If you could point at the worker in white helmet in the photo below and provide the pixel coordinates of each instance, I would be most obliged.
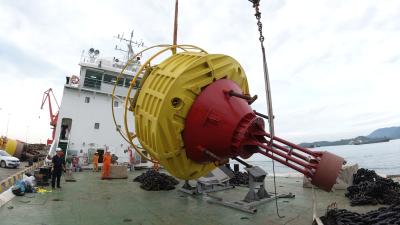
(58, 167)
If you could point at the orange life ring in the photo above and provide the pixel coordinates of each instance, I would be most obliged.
(74, 79)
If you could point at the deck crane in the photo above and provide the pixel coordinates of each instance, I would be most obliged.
(53, 116)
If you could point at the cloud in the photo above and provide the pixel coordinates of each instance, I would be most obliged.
(13, 58)
(333, 64)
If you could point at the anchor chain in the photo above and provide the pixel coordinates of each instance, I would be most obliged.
(381, 216)
(256, 6)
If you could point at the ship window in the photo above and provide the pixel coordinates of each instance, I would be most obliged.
(137, 83)
(93, 79)
(116, 103)
(121, 81)
(128, 82)
(87, 99)
(110, 79)
(96, 126)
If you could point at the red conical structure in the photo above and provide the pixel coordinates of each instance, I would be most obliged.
(222, 125)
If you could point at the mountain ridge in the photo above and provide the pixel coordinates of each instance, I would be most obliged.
(389, 132)
(378, 135)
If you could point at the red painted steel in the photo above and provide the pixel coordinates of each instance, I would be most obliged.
(53, 116)
(221, 126)
(216, 122)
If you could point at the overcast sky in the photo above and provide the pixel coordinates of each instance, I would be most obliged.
(334, 65)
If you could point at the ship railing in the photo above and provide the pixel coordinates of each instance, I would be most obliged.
(115, 63)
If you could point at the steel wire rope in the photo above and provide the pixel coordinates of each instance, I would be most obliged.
(256, 4)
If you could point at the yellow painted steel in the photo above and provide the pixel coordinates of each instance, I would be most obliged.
(165, 99)
(3, 141)
(11, 146)
(128, 135)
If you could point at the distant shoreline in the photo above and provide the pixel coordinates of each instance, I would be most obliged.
(379, 135)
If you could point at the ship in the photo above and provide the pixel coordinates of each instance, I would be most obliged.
(84, 125)
(364, 140)
(83, 115)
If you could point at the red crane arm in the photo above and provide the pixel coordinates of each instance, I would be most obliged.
(46, 96)
(53, 117)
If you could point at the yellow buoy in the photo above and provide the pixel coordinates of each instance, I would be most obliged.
(13, 147)
(165, 99)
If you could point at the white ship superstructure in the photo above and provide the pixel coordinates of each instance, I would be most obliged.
(85, 122)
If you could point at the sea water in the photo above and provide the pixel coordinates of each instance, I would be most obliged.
(382, 157)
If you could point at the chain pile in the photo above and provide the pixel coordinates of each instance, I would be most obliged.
(369, 188)
(381, 216)
(239, 178)
(155, 181)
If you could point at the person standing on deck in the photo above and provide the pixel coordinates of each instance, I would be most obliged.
(106, 166)
(95, 162)
(58, 167)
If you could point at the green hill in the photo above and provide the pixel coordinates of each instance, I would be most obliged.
(378, 135)
(389, 132)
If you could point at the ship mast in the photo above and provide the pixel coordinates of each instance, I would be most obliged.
(130, 43)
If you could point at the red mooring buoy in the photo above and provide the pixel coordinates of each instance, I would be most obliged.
(222, 125)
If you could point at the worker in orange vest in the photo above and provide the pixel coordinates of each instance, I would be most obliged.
(106, 166)
(95, 162)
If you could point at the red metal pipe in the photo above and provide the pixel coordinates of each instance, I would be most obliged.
(287, 157)
(306, 172)
(293, 145)
(291, 152)
(227, 127)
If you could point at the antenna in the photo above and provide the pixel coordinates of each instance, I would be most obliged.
(130, 44)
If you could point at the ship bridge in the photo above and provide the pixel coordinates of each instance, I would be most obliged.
(84, 125)
(99, 74)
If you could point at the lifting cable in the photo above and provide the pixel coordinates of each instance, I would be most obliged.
(256, 4)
